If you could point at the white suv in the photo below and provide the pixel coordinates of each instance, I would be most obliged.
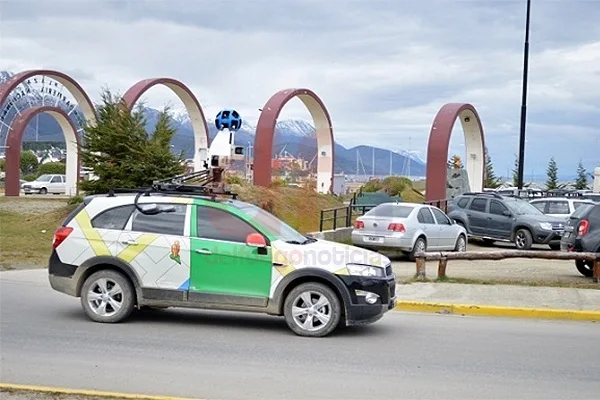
(559, 206)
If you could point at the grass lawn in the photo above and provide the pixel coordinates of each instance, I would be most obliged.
(26, 238)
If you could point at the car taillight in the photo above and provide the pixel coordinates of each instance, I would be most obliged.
(359, 224)
(582, 228)
(60, 235)
(396, 227)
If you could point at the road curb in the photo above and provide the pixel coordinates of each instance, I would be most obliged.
(82, 392)
(496, 311)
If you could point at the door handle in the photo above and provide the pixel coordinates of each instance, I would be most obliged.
(128, 242)
(203, 251)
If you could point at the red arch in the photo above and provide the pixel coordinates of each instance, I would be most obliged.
(85, 104)
(439, 142)
(191, 104)
(15, 138)
(265, 131)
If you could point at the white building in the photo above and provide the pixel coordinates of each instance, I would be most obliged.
(339, 184)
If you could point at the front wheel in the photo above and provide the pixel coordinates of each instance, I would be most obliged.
(585, 268)
(107, 296)
(312, 309)
(523, 239)
(461, 244)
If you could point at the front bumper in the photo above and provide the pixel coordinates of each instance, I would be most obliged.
(359, 311)
(547, 237)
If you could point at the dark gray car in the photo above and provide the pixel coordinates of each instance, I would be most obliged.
(492, 217)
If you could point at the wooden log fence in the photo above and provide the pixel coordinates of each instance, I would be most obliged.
(444, 256)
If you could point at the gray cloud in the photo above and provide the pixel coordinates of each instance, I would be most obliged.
(383, 67)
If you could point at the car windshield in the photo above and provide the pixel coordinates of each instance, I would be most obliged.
(390, 210)
(522, 207)
(44, 178)
(272, 224)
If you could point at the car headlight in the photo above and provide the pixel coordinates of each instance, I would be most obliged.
(364, 270)
(546, 225)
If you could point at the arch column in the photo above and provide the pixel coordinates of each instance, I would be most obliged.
(439, 142)
(192, 105)
(15, 138)
(265, 132)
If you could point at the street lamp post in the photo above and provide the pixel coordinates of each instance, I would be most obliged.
(524, 100)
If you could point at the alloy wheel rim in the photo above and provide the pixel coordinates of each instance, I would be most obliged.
(311, 311)
(520, 240)
(105, 297)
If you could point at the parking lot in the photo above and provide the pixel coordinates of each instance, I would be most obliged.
(509, 270)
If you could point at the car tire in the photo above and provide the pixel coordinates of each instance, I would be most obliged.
(585, 268)
(461, 244)
(302, 322)
(107, 296)
(43, 191)
(523, 239)
(420, 246)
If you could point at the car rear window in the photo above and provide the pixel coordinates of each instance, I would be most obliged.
(390, 210)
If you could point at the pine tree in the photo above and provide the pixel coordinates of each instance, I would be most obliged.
(515, 172)
(552, 174)
(120, 151)
(581, 183)
(491, 181)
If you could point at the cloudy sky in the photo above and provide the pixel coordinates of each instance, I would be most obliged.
(383, 68)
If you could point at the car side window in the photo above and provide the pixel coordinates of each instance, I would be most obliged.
(540, 205)
(56, 179)
(216, 224)
(440, 217)
(424, 216)
(558, 207)
(113, 218)
(462, 203)
(478, 205)
(497, 208)
(164, 223)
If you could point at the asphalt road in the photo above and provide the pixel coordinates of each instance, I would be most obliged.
(46, 340)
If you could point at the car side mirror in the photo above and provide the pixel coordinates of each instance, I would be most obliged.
(256, 240)
(507, 213)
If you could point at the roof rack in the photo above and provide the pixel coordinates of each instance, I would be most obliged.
(205, 185)
(496, 195)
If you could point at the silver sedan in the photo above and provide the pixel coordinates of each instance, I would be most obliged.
(408, 227)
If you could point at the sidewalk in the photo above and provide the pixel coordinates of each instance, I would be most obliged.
(500, 300)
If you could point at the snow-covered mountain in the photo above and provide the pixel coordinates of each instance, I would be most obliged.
(297, 136)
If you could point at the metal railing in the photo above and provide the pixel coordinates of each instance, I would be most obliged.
(346, 214)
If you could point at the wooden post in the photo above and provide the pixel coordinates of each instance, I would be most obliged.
(596, 274)
(442, 268)
(421, 268)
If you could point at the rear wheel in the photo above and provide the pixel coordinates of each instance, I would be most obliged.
(419, 247)
(107, 296)
(312, 309)
(585, 268)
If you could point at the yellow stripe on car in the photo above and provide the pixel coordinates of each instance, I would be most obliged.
(92, 235)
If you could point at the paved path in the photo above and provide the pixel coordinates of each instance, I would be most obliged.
(46, 340)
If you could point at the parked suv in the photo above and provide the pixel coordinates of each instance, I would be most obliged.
(559, 206)
(119, 252)
(492, 217)
(582, 234)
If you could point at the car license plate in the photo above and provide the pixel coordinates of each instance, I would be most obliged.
(373, 239)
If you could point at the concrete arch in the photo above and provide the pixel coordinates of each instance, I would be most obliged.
(83, 100)
(15, 138)
(192, 105)
(265, 131)
(439, 142)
